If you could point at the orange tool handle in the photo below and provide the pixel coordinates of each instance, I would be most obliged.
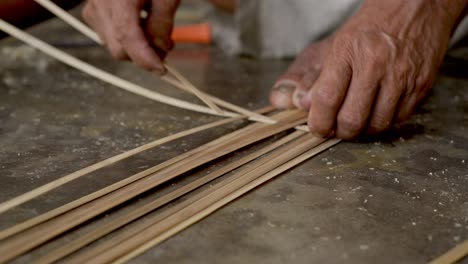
(196, 33)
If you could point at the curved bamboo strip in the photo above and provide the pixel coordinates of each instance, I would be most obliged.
(103, 75)
(75, 23)
(186, 85)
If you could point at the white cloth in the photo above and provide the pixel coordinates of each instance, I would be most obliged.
(283, 28)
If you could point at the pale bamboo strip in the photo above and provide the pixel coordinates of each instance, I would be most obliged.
(85, 199)
(159, 223)
(302, 128)
(22, 242)
(77, 174)
(133, 230)
(222, 202)
(103, 75)
(85, 30)
(142, 210)
(453, 255)
(191, 88)
(78, 25)
(252, 115)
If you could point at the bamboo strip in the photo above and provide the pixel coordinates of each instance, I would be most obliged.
(77, 174)
(191, 88)
(252, 115)
(22, 242)
(186, 85)
(75, 23)
(103, 75)
(220, 203)
(142, 210)
(67, 207)
(453, 255)
(146, 230)
(90, 197)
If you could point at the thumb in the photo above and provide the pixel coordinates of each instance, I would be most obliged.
(159, 25)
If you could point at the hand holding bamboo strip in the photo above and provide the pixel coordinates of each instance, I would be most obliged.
(13, 246)
(103, 75)
(182, 82)
(75, 23)
(44, 227)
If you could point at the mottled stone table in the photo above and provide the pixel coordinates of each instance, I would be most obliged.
(398, 198)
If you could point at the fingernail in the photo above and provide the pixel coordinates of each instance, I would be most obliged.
(282, 94)
(297, 98)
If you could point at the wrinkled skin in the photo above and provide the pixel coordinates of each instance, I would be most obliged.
(370, 73)
(126, 37)
(119, 25)
(374, 70)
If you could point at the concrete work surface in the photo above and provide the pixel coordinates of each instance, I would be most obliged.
(398, 198)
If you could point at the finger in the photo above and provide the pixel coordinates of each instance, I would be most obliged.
(126, 22)
(326, 95)
(299, 77)
(354, 113)
(98, 16)
(307, 82)
(313, 56)
(414, 95)
(282, 91)
(406, 105)
(159, 25)
(281, 94)
(385, 107)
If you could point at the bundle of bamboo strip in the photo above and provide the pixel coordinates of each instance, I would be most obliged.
(251, 171)
(25, 240)
(17, 241)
